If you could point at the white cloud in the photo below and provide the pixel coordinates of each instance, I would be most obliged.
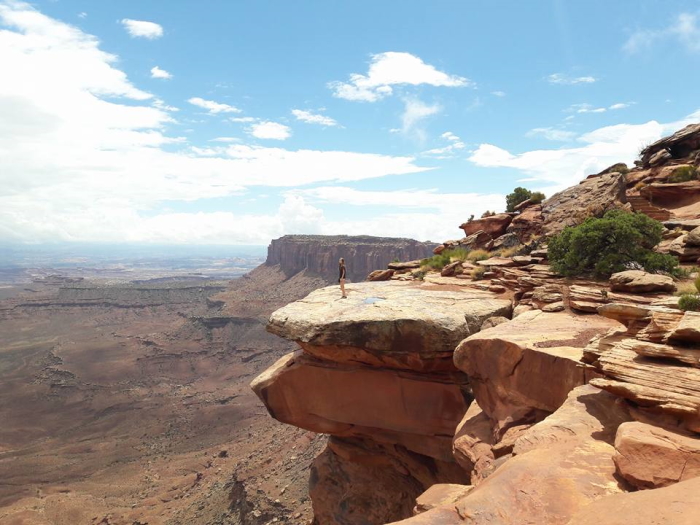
(564, 167)
(225, 139)
(684, 30)
(243, 119)
(86, 156)
(82, 14)
(391, 69)
(213, 107)
(551, 134)
(160, 104)
(270, 130)
(588, 108)
(566, 80)
(415, 112)
(142, 29)
(620, 105)
(313, 118)
(446, 152)
(157, 72)
(498, 93)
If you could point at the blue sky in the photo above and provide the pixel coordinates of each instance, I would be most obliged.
(237, 122)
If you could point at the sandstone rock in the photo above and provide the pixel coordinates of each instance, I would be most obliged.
(494, 321)
(380, 275)
(549, 293)
(495, 225)
(684, 224)
(439, 495)
(587, 413)
(418, 411)
(688, 329)
(684, 251)
(659, 158)
(502, 362)
(681, 144)
(524, 260)
(693, 238)
(554, 307)
(407, 265)
(674, 505)
(472, 444)
(439, 249)
(498, 289)
(521, 309)
(496, 261)
(651, 457)
(476, 240)
(358, 481)
(451, 269)
(670, 194)
(527, 224)
(592, 197)
(637, 281)
(407, 326)
(508, 240)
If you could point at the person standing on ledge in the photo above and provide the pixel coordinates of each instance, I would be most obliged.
(341, 278)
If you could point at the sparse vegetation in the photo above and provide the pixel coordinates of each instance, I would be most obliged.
(478, 255)
(684, 174)
(488, 213)
(640, 185)
(507, 252)
(439, 261)
(521, 194)
(689, 301)
(478, 273)
(610, 244)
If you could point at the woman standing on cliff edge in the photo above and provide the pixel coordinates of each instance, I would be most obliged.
(341, 278)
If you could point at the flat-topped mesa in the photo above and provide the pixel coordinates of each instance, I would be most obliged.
(363, 253)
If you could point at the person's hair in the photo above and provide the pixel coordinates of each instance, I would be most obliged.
(341, 261)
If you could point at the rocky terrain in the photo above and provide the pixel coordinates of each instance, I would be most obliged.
(128, 403)
(494, 390)
(320, 253)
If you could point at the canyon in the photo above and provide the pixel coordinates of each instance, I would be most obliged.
(127, 402)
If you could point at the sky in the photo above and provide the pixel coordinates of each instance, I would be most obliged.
(218, 122)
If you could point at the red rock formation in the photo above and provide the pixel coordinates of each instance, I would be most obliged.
(363, 254)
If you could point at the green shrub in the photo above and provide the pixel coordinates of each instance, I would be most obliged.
(488, 213)
(683, 174)
(697, 283)
(521, 195)
(609, 244)
(478, 273)
(689, 301)
(439, 261)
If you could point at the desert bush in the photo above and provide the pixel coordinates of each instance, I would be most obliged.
(478, 273)
(488, 213)
(689, 301)
(521, 195)
(478, 255)
(603, 246)
(697, 283)
(508, 252)
(439, 261)
(418, 274)
(640, 185)
(683, 174)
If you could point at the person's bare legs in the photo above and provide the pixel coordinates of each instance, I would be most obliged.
(342, 287)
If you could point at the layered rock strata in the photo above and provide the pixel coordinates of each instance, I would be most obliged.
(375, 371)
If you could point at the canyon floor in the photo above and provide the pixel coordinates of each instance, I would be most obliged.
(127, 413)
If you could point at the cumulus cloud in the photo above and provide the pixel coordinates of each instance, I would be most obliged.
(86, 156)
(142, 29)
(157, 72)
(454, 145)
(598, 149)
(566, 80)
(270, 130)
(683, 30)
(313, 118)
(213, 107)
(392, 69)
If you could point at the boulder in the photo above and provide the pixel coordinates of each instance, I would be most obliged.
(693, 238)
(380, 275)
(451, 269)
(527, 224)
(674, 505)
(652, 457)
(508, 240)
(416, 410)
(505, 362)
(687, 330)
(388, 324)
(679, 145)
(497, 262)
(472, 443)
(407, 265)
(592, 197)
(495, 225)
(494, 321)
(637, 281)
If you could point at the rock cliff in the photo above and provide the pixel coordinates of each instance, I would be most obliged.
(508, 396)
(320, 253)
